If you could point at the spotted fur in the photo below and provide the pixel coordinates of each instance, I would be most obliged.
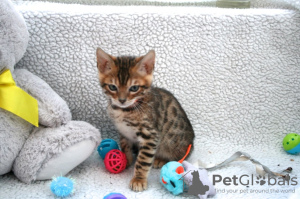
(148, 118)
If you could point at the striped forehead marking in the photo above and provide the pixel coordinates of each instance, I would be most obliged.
(124, 64)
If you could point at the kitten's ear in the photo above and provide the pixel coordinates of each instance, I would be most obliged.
(104, 61)
(146, 63)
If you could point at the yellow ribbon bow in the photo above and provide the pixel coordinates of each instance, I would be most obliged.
(17, 101)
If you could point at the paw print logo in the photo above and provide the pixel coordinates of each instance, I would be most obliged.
(260, 180)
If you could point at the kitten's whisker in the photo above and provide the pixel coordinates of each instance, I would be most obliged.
(139, 109)
(149, 105)
(109, 106)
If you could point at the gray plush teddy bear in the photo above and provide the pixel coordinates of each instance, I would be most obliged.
(59, 144)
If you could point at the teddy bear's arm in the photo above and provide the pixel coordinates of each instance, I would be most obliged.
(53, 110)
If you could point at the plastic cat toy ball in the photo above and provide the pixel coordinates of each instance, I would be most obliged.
(62, 186)
(105, 146)
(171, 175)
(291, 143)
(114, 196)
(115, 161)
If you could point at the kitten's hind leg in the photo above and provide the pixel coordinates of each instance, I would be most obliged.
(159, 163)
(126, 147)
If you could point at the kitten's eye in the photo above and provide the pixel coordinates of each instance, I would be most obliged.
(112, 87)
(134, 88)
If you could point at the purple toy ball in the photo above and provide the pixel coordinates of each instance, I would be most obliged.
(114, 196)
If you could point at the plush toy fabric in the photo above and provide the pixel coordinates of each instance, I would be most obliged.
(13, 35)
(178, 177)
(171, 179)
(59, 144)
(197, 181)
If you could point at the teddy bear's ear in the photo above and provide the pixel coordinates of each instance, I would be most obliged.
(105, 62)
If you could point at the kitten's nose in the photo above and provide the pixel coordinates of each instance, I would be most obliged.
(122, 101)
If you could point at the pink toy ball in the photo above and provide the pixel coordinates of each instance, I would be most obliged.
(115, 161)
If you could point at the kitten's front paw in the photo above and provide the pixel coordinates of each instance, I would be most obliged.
(138, 184)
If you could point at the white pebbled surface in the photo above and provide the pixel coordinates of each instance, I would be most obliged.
(236, 73)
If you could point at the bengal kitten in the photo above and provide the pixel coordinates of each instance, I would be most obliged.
(147, 118)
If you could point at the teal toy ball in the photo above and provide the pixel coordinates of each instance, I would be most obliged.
(62, 186)
(291, 143)
(105, 146)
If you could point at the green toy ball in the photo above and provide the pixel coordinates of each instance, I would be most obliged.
(291, 143)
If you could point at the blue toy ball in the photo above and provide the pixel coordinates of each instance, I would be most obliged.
(171, 178)
(105, 146)
(114, 196)
(62, 186)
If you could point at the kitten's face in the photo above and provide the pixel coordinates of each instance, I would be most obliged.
(125, 80)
